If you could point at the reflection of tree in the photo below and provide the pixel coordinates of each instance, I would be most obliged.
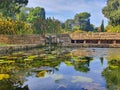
(25, 65)
(101, 60)
(82, 66)
(112, 72)
(10, 85)
(5, 85)
(112, 76)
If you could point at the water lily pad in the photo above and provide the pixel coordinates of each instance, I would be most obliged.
(50, 56)
(113, 66)
(32, 57)
(3, 57)
(41, 73)
(27, 59)
(3, 61)
(76, 79)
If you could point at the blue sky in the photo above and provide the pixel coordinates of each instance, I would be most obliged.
(66, 9)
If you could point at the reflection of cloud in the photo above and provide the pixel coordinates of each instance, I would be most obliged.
(63, 10)
(57, 77)
(76, 79)
(62, 87)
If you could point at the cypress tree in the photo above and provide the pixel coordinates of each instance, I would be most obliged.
(102, 26)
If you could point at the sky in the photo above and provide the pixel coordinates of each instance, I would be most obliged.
(66, 9)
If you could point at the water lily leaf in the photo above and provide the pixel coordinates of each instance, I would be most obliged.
(41, 73)
(76, 79)
(28, 59)
(3, 61)
(32, 57)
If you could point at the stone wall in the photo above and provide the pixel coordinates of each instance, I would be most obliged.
(21, 39)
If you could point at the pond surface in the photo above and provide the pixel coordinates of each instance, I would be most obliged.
(66, 69)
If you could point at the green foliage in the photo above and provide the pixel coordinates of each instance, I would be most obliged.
(9, 26)
(23, 15)
(38, 26)
(35, 13)
(53, 26)
(112, 76)
(81, 21)
(11, 7)
(82, 16)
(111, 28)
(112, 12)
(76, 28)
(69, 24)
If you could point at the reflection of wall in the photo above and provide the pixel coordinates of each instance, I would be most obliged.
(81, 53)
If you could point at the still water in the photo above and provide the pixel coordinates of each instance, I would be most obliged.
(65, 69)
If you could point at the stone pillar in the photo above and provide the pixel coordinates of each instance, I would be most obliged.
(75, 41)
(114, 42)
(84, 42)
(99, 42)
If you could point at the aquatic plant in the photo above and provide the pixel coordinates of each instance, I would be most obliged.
(41, 73)
(4, 76)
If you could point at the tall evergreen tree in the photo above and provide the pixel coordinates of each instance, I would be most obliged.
(102, 26)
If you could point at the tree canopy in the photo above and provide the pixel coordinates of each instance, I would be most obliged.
(11, 7)
(112, 12)
(83, 16)
(81, 21)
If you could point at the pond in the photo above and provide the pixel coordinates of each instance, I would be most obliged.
(63, 69)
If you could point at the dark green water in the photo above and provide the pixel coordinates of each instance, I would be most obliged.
(82, 69)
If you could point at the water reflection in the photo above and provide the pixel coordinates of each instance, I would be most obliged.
(81, 69)
(111, 73)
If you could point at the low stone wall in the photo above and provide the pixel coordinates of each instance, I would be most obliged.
(21, 39)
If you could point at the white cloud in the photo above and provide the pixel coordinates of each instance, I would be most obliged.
(64, 9)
